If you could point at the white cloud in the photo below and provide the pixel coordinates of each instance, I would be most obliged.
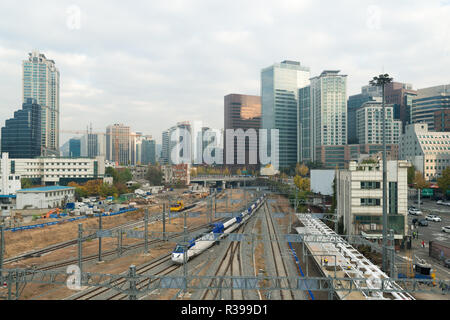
(151, 64)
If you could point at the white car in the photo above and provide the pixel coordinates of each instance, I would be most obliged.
(415, 212)
(432, 217)
(446, 229)
(439, 202)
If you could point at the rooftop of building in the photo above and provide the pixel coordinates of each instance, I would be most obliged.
(46, 189)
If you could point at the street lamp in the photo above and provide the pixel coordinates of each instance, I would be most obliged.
(381, 81)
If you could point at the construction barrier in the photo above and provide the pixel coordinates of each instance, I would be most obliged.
(42, 225)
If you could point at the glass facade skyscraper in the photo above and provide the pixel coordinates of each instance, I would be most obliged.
(21, 135)
(74, 148)
(41, 82)
(279, 89)
(427, 102)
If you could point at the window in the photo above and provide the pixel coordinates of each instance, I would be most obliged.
(370, 185)
(370, 202)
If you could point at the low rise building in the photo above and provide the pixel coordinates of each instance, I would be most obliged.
(44, 197)
(56, 171)
(359, 193)
(179, 173)
(428, 151)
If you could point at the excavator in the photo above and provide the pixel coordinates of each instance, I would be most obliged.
(56, 211)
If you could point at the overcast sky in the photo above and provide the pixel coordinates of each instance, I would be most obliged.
(149, 64)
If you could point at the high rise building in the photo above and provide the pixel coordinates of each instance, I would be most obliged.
(279, 89)
(118, 144)
(400, 95)
(41, 82)
(322, 114)
(148, 155)
(21, 135)
(242, 112)
(168, 154)
(369, 124)
(165, 147)
(442, 120)
(428, 101)
(368, 93)
(93, 144)
(74, 148)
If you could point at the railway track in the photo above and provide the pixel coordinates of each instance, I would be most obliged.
(92, 294)
(276, 250)
(40, 252)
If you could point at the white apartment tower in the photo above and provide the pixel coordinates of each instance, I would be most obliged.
(329, 109)
(369, 124)
(40, 80)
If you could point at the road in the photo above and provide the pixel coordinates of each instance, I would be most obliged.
(431, 233)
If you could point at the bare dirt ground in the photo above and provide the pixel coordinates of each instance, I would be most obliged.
(114, 266)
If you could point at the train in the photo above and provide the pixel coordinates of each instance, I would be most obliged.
(219, 230)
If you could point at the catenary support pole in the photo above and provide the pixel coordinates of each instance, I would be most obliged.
(2, 246)
(132, 281)
(146, 230)
(80, 249)
(100, 237)
(164, 221)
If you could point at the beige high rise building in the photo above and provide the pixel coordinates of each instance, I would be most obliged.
(40, 80)
(119, 144)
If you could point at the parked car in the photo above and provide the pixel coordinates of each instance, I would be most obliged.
(415, 212)
(433, 217)
(439, 202)
(421, 202)
(447, 263)
(446, 203)
(423, 223)
(446, 229)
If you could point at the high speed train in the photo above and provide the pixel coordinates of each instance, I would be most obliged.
(219, 230)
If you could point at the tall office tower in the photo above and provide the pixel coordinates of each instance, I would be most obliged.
(134, 157)
(400, 95)
(148, 151)
(428, 101)
(41, 82)
(328, 99)
(442, 120)
(93, 145)
(74, 148)
(242, 112)
(118, 144)
(369, 124)
(279, 89)
(164, 159)
(158, 152)
(368, 93)
(21, 135)
(168, 154)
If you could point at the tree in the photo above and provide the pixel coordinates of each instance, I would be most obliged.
(302, 184)
(444, 181)
(411, 174)
(420, 182)
(301, 170)
(26, 183)
(154, 175)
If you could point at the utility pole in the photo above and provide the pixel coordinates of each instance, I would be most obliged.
(80, 249)
(2, 246)
(100, 237)
(164, 221)
(185, 253)
(382, 80)
(146, 230)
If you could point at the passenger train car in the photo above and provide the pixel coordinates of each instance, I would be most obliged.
(219, 230)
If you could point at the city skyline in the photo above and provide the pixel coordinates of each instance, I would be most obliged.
(102, 75)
